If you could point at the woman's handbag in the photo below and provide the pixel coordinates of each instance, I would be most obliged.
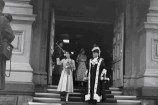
(6, 49)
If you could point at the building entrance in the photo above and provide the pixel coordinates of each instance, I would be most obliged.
(85, 35)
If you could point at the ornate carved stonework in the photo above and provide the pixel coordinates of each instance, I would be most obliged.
(155, 49)
(18, 42)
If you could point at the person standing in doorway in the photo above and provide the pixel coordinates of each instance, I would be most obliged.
(6, 34)
(58, 54)
(95, 76)
(66, 78)
(81, 67)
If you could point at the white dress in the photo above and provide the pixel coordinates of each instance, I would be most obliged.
(66, 78)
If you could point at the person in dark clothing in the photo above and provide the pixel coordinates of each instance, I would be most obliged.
(9, 17)
(95, 76)
(58, 53)
(6, 34)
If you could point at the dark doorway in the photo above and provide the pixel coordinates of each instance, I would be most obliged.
(84, 35)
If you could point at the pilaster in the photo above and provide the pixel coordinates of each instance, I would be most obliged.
(147, 77)
(40, 39)
(21, 70)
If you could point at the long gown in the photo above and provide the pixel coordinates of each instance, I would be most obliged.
(66, 79)
(81, 68)
(94, 86)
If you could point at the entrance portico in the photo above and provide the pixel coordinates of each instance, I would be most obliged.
(30, 56)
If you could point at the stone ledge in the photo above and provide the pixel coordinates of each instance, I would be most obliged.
(147, 91)
(15, 99)
(18, 88)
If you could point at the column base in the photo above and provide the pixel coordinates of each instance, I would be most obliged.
(148, 95)
(18, 88)
(147, 92)
(14, 99)
(40, 78)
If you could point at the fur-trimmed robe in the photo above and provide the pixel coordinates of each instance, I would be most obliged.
(95, 76)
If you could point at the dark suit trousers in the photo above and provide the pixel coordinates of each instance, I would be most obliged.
(2, 72)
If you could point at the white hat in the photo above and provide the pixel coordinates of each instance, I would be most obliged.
(96, 49)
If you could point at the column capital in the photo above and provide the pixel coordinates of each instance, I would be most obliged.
(153, 3)
(21, 10)
(24, 1)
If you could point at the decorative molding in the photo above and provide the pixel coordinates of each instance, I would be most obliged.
(18, 42)
(154, 49)
(18, 67)
(20, 10)
(23, 18)
(83, 19)
(18, 88)
(151, 73)
(40, 73)
(17, 4)
(18, 0)
(129, 77)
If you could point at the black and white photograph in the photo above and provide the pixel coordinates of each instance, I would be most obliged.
(78, 52)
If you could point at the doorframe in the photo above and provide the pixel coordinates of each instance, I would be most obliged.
(123, 55)
(50, 47)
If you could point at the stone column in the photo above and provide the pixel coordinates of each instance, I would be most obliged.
(21, 70)
(19, 85)
(148, 75)
(39, 49)
(147, 78)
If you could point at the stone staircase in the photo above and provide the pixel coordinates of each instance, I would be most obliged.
(50, 97)
(114, 96)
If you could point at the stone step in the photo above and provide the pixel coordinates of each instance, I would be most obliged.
(75, 93)
(116, 92)
(76, 99)
(121, 97)
(46, 100)
(113, 92)
(52, 91)
(75, 89)
(55, 87)
(114, 89)
(101, 103)
(79, 90)
(52, 95)
(125, 97)
(129, 101)
(39, 103)
(52, 86)
(86, 103)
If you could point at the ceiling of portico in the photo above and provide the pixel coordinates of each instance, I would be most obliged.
(85, 10)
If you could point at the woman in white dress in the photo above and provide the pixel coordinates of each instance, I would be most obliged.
(66, 78)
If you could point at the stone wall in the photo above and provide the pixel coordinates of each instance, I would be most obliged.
(14, 99)
(19, 86)
(135, 16)
(39, 48)
(23, 18)
(141, 36)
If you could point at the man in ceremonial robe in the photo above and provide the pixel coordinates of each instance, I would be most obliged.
(95, 75)
(6, 34)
